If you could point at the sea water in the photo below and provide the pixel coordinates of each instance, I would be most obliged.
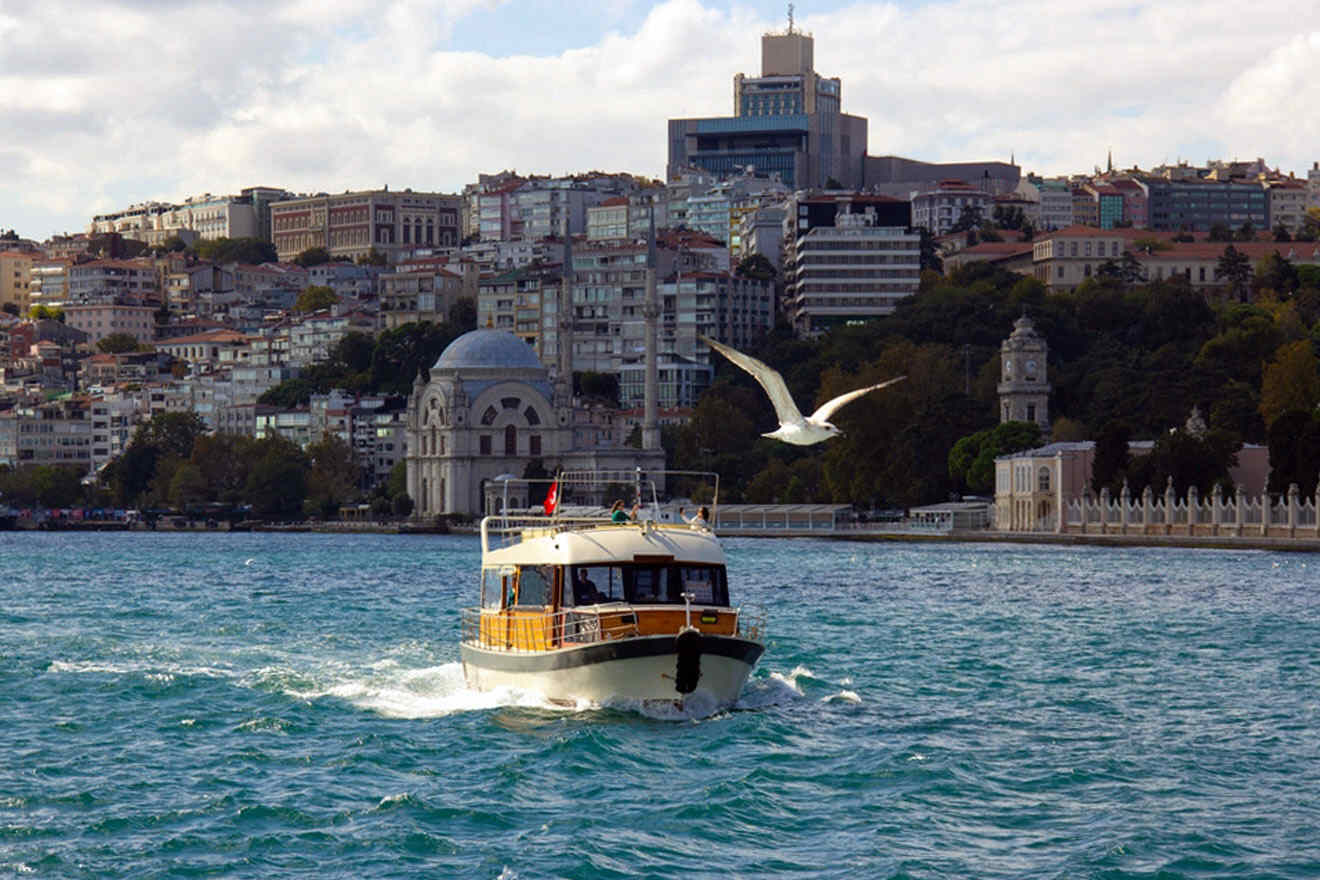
(270, 705)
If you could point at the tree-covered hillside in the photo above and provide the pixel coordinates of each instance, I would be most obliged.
(1139, 357)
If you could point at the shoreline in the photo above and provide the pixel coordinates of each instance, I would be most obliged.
(961, 536)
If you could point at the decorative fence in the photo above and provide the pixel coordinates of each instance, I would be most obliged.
(1283, 516)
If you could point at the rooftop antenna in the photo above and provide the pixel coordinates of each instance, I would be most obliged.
(790, 18)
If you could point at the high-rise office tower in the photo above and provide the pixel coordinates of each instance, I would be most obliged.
(787, 121)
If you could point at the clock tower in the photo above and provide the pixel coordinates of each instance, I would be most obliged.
(1024, 388)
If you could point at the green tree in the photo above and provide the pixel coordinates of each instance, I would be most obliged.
(1247, 232)
(353, 351)
(1126, 270)
(1291, 381)
(46, 313)
(1277, 273)
(250, 251)
(335, 474)
(1188, 460)
(11, 308)
(970, 218)
(597, 386)
(276, 486)
(1220, 232)
(462, 315)
(117, 343)
(402, 352)
(756, 266)
(929, 252)
(1294, 444)
(1112, 457)
(1234, 268)
(173, 433)
(314, 256)
(373, 257)
(188, 486)
(1281, 232)
(314, 298)
(224, 460)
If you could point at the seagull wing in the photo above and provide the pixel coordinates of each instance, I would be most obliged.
(773, 383)
(828, 408)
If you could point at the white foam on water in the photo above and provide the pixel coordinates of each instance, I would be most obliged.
(153, 671)
(845, 696)
(433, 692)
(507, 874)
(772, 691)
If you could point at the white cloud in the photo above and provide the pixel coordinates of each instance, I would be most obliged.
(137, 99)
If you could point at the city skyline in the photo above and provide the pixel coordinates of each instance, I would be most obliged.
(114, 103)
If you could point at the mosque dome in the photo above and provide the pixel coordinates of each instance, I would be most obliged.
(487, 349)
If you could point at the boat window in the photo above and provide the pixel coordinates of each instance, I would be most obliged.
(706, 582)
(592, 584)
(534, 585)
(646, 584)
(493, 582)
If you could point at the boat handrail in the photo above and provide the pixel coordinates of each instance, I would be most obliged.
(540, 632)
(751, 622)
(572, 627)
(510, 530)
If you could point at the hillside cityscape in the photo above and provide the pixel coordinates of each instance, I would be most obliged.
(392, 352)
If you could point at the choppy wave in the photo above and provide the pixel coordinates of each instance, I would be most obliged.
(995, 712)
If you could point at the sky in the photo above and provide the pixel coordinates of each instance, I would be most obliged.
(105, 103)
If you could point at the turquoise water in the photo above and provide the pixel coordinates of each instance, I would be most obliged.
(292, 706)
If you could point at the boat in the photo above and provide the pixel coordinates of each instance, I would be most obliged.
(579, 608)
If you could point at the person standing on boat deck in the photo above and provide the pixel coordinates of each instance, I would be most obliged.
(700, 520)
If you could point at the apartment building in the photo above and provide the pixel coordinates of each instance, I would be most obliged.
(419, 294)
(15, 279)
(1287, 203)
(246, 215)
(109, 279)
(353, 224)
(847, 258)
(101, 319)
(940, 209)
(517, 301)
(608, 220)
(1065, 258)
(55, 433)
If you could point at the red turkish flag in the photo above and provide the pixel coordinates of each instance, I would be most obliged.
(552, 498)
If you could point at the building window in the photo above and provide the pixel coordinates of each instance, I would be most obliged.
(510, 440)
(1031, 412)
(485, 444)
(1043, 480)
(488, 417)
(534, 444)
(531, 416)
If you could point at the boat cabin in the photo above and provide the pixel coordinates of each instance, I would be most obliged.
(606, 582)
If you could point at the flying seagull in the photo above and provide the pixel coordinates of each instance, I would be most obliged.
(793, 427)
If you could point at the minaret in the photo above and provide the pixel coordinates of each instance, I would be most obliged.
(651, 311)
(566, 310)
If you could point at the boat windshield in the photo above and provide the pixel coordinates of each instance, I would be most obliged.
(646, 584)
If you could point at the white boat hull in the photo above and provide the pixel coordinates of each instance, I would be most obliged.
(643, 668)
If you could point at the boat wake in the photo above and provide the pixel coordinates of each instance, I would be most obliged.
(431, 692)
(394, 690)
